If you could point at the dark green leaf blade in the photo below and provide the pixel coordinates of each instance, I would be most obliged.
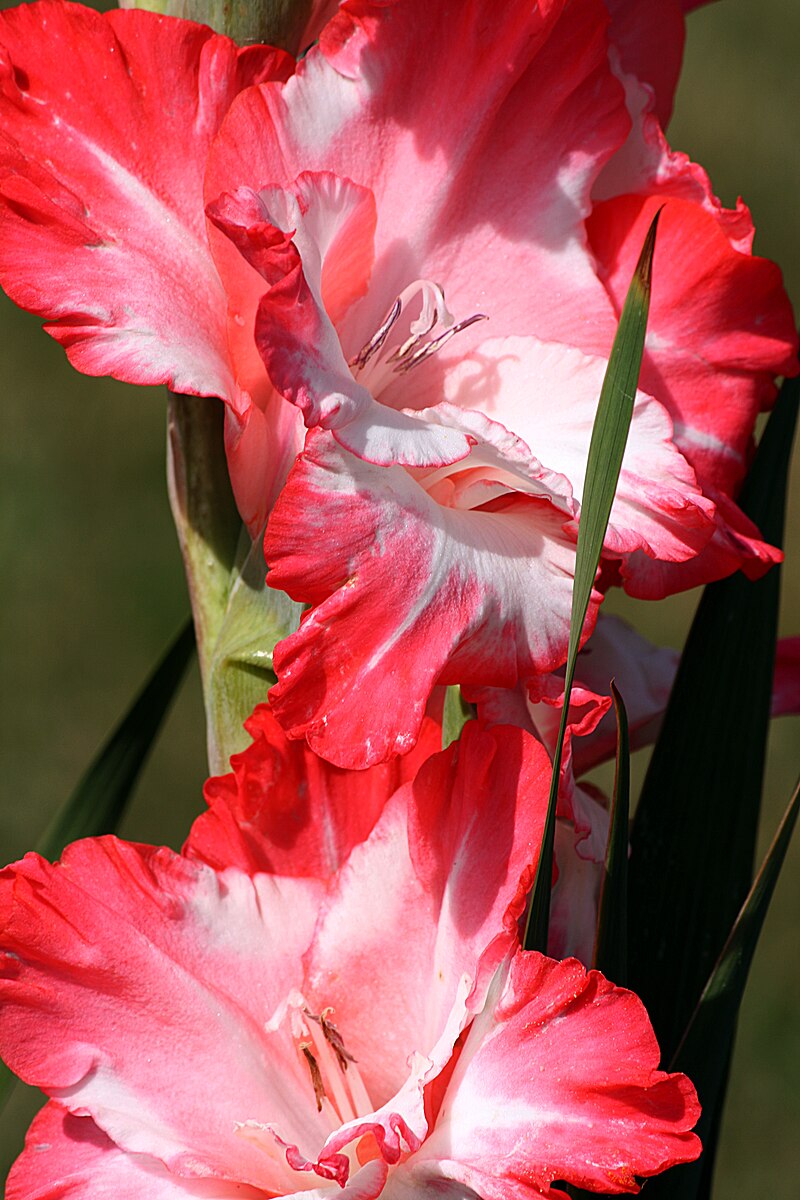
(694, 833)
(695, 829)
(611, 942)
(606, 450)
(610, 433)
(98, 802)
(701, 1050)
(705, 1048)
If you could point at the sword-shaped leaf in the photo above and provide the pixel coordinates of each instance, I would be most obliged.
(98, 802)
(695, 828)
(606, 449)
(704, 1050)
(611, 940)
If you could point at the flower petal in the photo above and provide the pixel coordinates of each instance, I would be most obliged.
(313, 277)
(407, 593)
(547, 393)
(137, 988)
(576, 891)
(647, 165)
(322, 220)
(720, 328)
(445, 872)
(261, 443)
(644, 674)
(101, 215)
(454, 144)
(582, 825)
(366, 1184)
(537, 708)
(444, 877)
(559, 1081)
(285, 811)
(66, 1155)
(648, 35)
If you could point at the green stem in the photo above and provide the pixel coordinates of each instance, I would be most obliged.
(274, 22)
(236, 621)
(205, 514)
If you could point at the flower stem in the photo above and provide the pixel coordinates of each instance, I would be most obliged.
(225, 573)
(205, 514)
(274, 22)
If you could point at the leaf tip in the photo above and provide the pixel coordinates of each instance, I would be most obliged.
(644, 267)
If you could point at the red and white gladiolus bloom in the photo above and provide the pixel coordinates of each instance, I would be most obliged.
(325, 1009)
(425, 265)
(446, 343)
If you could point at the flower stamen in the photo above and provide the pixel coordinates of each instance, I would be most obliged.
(332, 1037)
(337, 1088)
(374, 365)
(316, 1075)
(431, 348)
(378, 338)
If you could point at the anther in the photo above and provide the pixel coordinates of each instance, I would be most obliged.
(375, 363)
(431, 348)
(316, 1075)
(332, 1037)
(378, 338)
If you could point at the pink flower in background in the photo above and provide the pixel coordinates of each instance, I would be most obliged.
(644, 675)
(371, 1030)
(430, 521)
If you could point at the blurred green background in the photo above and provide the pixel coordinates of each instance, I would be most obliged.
(93, 586)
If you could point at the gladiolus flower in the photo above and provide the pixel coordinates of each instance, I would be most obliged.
(369, 1031)
(428, 265)
(430, 521)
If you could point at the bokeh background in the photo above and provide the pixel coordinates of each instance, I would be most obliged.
(93, 589)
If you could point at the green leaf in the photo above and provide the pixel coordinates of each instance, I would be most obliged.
(239, 670)
(611, 941)
(705, 1048)
(701, 1052)
(606, 449)
(98, 802)
(695, 829)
